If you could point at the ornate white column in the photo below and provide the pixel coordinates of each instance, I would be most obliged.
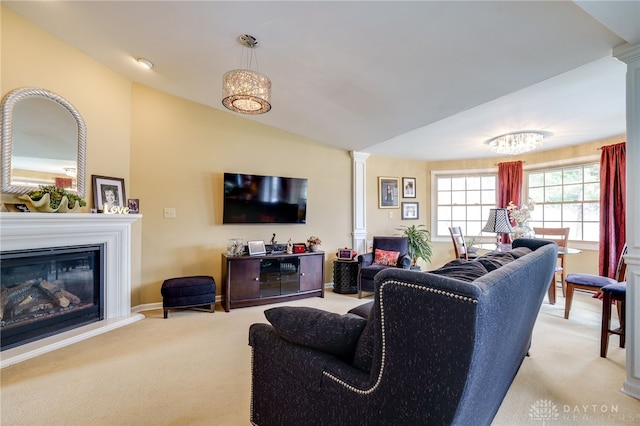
(631, 56)
(359, 201)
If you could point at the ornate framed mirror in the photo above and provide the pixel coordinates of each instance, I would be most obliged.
(43, 142)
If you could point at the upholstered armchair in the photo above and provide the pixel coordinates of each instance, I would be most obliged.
(388, 252)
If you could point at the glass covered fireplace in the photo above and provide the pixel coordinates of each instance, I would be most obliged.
(49, 291)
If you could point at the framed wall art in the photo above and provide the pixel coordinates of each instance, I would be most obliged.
(388, 192)
(108, 191)
(409, 211)
(408, 187)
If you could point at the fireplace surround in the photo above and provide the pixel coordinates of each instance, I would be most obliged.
(29, 231)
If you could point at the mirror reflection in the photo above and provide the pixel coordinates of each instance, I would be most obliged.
(43, 142)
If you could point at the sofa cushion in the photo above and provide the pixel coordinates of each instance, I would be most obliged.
(386, 257)
(363, 357)
(462, 269)
(492, 261)
(519, 252)
(326, 331)
(371, 271)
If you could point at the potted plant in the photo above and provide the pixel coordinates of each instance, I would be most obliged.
(419, 245)
(50, 198)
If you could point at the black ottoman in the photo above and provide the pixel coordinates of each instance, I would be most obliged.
(188, 292)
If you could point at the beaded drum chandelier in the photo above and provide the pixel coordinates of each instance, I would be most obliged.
(243, 90)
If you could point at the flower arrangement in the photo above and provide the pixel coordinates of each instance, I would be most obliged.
(522, 214)
(312, 240)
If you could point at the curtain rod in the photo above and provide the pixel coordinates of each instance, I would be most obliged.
(523, 162)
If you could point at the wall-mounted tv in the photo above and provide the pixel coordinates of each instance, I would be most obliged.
(264, 199)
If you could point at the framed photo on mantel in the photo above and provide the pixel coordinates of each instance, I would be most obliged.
(108, 191)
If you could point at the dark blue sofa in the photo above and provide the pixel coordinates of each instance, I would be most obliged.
(430, 348)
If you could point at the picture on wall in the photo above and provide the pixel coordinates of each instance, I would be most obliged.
(408, 187)
(409, 211)
(388, 192)
(108, 191)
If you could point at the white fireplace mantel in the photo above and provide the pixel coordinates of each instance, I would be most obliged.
(21, 231)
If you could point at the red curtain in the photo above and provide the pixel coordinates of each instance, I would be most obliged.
(613, 190)
(509, 185)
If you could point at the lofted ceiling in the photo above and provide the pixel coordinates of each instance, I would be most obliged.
(430, 80)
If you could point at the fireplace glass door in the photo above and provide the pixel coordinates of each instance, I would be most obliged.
(48, 291)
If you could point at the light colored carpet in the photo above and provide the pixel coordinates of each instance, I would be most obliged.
(194, 369)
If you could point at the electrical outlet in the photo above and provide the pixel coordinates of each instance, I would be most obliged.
(390, 215)
(169, 213)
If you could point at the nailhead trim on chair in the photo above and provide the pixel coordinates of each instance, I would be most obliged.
(382, 363)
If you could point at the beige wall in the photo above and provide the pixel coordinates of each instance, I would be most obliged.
(172, 153)
(179, 153)
(31, 57)
(387, 221)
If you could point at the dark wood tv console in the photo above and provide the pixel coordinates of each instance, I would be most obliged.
(258, 280)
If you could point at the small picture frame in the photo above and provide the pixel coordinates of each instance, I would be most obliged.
(108, 190)
(134, 205)
(256, 247)
(345, 254)
(409, 210)
(408, 187)
(388, 192)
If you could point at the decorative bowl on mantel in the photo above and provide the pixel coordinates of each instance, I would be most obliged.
(43, 205)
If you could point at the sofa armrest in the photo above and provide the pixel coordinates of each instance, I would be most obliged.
(365, 259)
(404, 262)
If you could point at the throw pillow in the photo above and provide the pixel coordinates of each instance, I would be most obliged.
(519, 252)
(386, 257)
(493, 261)
(362, 310)
(461, 269)
(326, 331)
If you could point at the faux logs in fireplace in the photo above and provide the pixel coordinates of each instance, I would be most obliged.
(48, 291)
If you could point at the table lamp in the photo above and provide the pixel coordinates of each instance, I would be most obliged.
(498, 222)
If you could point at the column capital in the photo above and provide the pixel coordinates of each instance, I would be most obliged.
(627, 53)
(359, 156)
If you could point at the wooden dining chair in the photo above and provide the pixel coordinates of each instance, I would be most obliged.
(459, 245)
(610, 293)
(560, 236)
(590, 282)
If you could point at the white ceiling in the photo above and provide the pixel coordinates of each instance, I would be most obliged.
(427, 80)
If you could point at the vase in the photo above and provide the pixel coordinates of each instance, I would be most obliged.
(313, 247)
(235, 247)
(522, 230)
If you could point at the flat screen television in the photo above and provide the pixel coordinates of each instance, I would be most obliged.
(264, 199)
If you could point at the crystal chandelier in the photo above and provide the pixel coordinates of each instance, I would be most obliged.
(516, 143)
(243, 90)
